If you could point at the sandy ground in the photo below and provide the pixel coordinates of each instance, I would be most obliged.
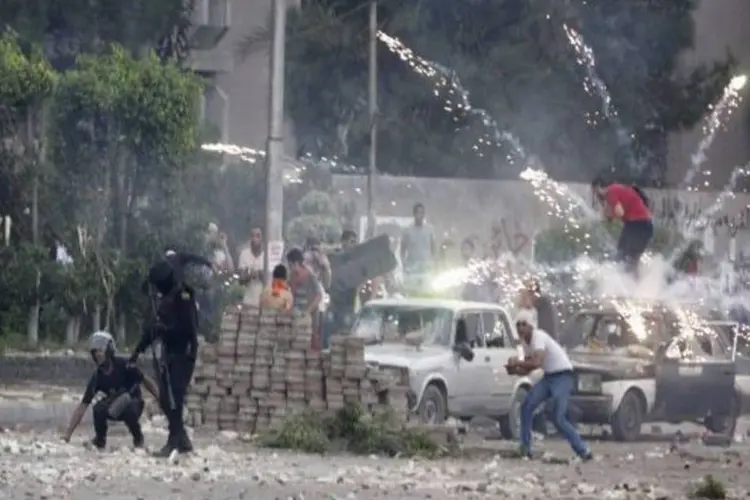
(34, 463)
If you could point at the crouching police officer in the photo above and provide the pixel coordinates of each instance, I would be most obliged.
(173, 338)
(121, 385)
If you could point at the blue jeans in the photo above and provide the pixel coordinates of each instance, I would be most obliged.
(557, 387)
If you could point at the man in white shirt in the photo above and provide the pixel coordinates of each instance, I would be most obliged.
(251, 262)
(557, 384)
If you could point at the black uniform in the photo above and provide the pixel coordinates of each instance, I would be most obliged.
(175, 330)
(115, 379)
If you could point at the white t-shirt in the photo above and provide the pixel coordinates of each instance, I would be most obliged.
(555, 359)
(250, 262)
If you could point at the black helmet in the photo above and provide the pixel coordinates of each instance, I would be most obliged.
(102, 341)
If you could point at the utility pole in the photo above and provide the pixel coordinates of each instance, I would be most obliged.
(373, 101)
(275, 148)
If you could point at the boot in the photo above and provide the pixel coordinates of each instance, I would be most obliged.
(184, 445)
(100, 443)
(138, 439)
(168, 447)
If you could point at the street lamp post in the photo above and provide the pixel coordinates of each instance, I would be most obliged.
(275, 147)
(373, 102)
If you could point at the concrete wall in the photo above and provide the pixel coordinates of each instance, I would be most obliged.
(720, 25)
(507, 214)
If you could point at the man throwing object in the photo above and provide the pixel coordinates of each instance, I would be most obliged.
(557, 384)
(628, 204)
(120, 384)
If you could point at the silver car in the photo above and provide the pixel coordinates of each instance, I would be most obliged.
(448, 376)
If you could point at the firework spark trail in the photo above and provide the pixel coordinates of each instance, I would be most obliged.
(596, 86)
(720, 112)
(447, 81)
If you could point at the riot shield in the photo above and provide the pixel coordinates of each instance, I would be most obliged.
(352, 267)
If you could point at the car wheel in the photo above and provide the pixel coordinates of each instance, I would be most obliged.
(510, 424)
(724, 424)
(433, 409)
(627, 420)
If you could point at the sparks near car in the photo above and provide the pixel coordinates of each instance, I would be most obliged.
(452, 371)
(637, 363)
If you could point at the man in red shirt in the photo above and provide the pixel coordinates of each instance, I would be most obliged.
(628, 204)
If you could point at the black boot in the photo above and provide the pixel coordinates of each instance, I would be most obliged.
(99, 442)
(168, 447)
(184, 445)
(134, 427)
(138, 439)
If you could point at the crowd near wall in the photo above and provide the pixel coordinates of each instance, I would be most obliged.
(504, 216)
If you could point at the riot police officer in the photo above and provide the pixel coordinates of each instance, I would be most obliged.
(172, 334)
(120, 384)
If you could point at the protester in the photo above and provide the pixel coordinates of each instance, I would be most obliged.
(630, 205)
(250, 265)
(557, 384)
(278, 296)
(418, 249)
(121, 386)
(339, 316)
(306, 290)
(531, 297)
(318, 262)
(221, 257)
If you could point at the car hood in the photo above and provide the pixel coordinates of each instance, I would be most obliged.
(612, 366)
(404, 356)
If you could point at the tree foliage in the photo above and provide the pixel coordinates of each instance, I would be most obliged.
(514, 58)
(317, 218)
(111, 141)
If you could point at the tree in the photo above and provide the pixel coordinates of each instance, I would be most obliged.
(69, 28)
(26, 82)
(317, 218)
(123, 128)
(515, 59)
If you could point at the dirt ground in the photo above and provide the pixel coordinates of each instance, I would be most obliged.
(38, 465)
(34, 463)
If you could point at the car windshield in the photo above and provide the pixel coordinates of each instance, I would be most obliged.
(603, 332)
(396, 324)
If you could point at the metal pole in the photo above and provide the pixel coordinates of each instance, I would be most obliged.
(373, 100)
(275, 147)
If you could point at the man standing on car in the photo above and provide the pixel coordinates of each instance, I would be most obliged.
(557, 384)
(630, 205)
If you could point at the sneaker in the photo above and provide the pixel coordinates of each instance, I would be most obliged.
(586, 457)
(138, 441)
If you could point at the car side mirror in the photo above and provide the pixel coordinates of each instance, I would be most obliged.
(464, 351)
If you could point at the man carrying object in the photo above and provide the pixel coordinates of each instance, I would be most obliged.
(557, 384)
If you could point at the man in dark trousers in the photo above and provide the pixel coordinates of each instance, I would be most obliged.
(173, 337)
(121, 386)
(630, 205)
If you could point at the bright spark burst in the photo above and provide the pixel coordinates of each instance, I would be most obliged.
(720, 113)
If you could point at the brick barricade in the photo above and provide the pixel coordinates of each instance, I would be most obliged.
(262, 369)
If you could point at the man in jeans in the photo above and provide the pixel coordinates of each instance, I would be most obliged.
(557, 384)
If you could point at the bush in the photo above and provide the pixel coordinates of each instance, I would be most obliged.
(560, 244)
(709, 487)
(353, 430)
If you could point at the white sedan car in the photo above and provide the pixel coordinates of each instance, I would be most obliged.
(446, 377)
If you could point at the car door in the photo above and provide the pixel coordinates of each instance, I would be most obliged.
(692, 382)
(500, 347)
(478, 371)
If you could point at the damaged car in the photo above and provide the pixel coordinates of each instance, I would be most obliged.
(454, 354)
(637, 364)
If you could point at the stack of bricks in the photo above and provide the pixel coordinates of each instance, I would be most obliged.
(262, 369)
